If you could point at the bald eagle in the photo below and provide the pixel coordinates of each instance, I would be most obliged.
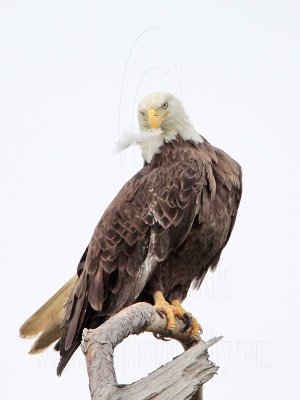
(162, 232)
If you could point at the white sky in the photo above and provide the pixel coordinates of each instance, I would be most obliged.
(71, 74)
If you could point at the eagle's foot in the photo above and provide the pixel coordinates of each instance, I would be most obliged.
(181, 313)
(175, 310)
(190, 322)
(162, 306)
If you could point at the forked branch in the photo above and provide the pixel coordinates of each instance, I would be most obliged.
(180, 379)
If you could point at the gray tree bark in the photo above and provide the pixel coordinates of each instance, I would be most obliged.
(180, 379)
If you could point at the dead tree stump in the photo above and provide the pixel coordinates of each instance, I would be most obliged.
(180, 379)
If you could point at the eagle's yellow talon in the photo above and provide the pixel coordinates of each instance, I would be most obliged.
(175, 310)
(195, 328)
(162, 305)
(167, 310)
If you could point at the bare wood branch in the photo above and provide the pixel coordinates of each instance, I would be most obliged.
(179, 379)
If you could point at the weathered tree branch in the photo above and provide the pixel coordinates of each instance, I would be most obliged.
(179, 379)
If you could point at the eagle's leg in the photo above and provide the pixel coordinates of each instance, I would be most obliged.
(191, 322)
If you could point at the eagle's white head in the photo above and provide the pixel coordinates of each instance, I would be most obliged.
(161, 118)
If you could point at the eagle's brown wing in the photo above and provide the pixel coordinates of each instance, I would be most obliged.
(150, 216)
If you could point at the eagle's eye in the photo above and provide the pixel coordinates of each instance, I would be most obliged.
(142, 113)
(165, 105)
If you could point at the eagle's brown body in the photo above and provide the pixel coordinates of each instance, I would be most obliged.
(166, 227)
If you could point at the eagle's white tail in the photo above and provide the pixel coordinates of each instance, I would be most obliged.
(46, 321)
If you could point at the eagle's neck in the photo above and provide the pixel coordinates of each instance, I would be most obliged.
(150, 148)
(180, 127)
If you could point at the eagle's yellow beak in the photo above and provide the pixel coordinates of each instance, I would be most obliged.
(155, 118)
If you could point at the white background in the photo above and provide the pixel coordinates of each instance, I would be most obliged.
(71, 74)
